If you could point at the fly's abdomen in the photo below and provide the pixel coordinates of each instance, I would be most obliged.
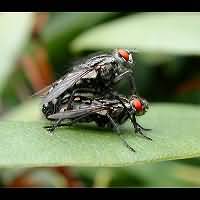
(48, 110)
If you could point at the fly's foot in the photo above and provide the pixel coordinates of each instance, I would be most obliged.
(131, 148)
(126, 143)
(138, 129)
(50, 129)
(144, 129)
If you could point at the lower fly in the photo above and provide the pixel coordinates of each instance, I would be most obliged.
(105, 112)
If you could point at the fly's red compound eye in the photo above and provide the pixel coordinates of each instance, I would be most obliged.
(137, 104)
(124, 54)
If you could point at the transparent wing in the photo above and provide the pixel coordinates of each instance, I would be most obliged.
(42, 92)
(68, 81)
(89, 63)
(76, 113)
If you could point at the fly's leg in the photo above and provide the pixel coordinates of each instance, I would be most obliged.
(131, 79)
(144, 129)
(57, 106)
(121, 76)
(118, 132)
(113, 123)
(51, 128)
(129, 114)
(69, 106)
(74, 92)
(54, 126)
(62, 125)
(138, 128)
(132, 84)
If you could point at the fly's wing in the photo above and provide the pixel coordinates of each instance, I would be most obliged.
(80, 70)
(78, 113)
(42, 92)
(70, 79)
(66, 83)
(103, 59)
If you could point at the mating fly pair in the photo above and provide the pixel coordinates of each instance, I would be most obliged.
(97, 75)
(86, 94)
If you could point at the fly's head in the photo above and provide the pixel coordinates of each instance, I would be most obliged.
(139, 105)
(124, 57)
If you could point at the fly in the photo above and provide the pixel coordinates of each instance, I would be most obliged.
(97, 75)
(105, 112)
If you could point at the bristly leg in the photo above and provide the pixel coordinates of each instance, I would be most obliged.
(51, 128)
(116, 128)
(58, 125)
(139, 128)
(125, 142)
(144, 129)
(131, 79)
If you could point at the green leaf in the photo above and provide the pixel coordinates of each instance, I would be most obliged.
(15, 31)
(167, 174)
(68, 25)
(28, 111)
(159, 174)
(64, 27)
(175, 135)
(174, 33)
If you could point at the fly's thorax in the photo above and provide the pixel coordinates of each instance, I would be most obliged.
(116, 110)
(91, 75)
(88, 83)
(127, 104)
(107, 71)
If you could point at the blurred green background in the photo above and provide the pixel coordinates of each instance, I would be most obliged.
(37, 48)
